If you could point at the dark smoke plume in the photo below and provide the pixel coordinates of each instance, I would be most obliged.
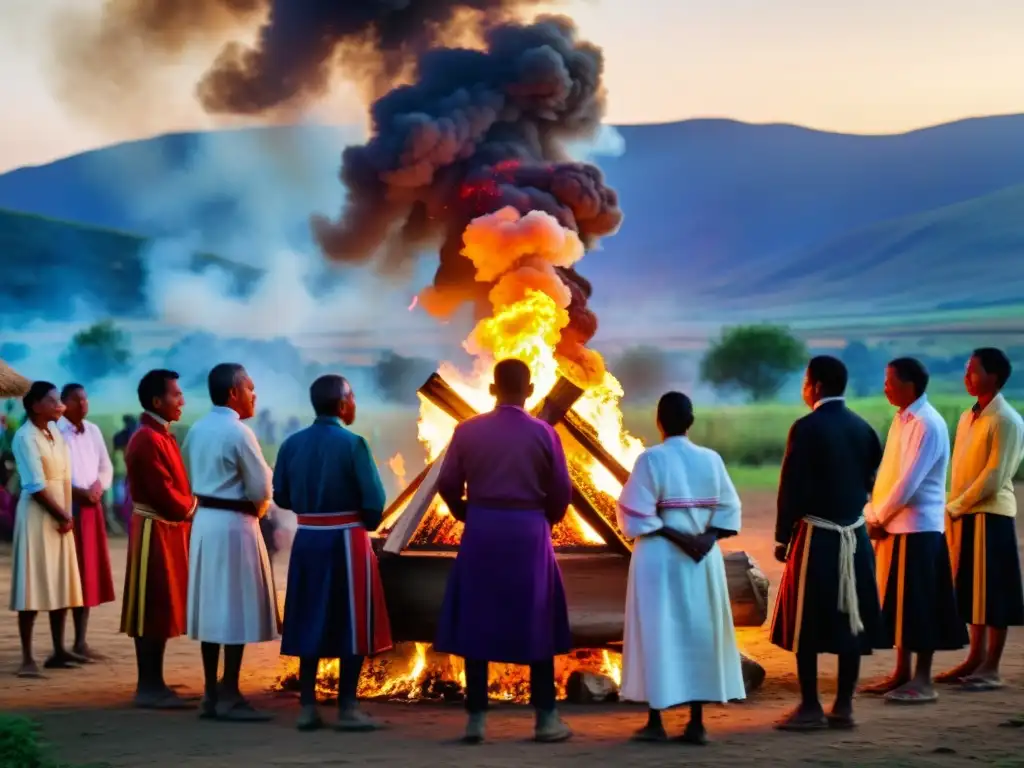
(478, 128)
(476, 131)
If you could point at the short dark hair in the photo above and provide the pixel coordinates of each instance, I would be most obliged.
(327, 392)
(222, 379)
(675, 413)
(36, 393)
(830, 374)
(154, 385)
(995, 363)
(512, 377)
(69, 390)
(912, 371)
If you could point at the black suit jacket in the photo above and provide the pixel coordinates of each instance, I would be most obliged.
(832, 456)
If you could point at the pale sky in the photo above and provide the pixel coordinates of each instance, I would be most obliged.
(864, 66)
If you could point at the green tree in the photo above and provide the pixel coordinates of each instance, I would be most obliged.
(96, 352)
(755, 359)
(866, 368)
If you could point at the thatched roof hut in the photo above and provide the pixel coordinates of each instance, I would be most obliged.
(12, 383)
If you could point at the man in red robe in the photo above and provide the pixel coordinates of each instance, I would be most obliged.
(156, 579)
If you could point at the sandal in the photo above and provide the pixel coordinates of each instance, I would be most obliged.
(907, 695)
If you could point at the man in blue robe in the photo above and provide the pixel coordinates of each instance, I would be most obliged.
(334, 607)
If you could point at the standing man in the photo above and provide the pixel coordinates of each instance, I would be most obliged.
(828, 601)
(231, 596)
(982, 527)
(156, 580)
(504, 475)
(679, 645)
(91, 476)
(907, 519)
(335, 605)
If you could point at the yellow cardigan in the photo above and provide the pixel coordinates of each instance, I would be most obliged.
(986, 455)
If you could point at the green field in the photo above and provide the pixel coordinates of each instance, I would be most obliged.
(751, 438)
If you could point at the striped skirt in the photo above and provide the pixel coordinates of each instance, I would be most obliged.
(807, 615)
(919, 608)
(986, 570)
(156, 579)
(334, 606)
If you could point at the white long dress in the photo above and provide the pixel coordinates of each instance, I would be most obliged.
(231, 595)
(44, 562)
(679, 644)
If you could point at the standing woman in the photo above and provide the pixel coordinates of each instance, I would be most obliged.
(45, 566)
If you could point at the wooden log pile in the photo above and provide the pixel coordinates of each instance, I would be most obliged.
(595, 578)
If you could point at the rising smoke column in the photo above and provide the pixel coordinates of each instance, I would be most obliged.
(475, 130)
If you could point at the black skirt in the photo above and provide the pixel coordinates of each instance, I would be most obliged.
(986, 565)
(807, 616)
(919, 607)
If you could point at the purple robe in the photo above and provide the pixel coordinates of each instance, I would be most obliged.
(505, 601)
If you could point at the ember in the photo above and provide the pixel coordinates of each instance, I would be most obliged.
(414, 672)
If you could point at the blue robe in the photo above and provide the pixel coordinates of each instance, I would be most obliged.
(334, 606)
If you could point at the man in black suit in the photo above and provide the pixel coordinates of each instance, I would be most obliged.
(828, 601)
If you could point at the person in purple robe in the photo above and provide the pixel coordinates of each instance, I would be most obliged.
(504, 475)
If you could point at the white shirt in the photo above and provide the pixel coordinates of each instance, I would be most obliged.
(224, 460)
(910, 490)
(90, 460)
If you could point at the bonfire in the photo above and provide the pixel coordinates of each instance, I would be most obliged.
(418, 537)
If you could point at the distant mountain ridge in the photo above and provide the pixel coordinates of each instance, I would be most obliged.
(719, 211)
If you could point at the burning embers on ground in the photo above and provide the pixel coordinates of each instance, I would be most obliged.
(413, 672)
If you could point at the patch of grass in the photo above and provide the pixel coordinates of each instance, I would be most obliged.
(22, 747)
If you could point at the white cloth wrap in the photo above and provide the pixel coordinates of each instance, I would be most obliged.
(848, 602)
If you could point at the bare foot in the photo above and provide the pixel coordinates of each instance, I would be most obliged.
(882, 687)
(62, 660)
(28, 670)
(803, 719)
(162, 700)
(87, 653)
(956, 675)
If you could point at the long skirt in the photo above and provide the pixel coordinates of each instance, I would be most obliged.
(156, 579)
(505, 601)
(915, 581)
(807, 615)
(44, 563)
(231, 594)
(334, 605)
(986, 567)
(93, 555)
(679, 645)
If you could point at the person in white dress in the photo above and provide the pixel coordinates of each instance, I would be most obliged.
(232, 600)
(679, 645)
(44, 562)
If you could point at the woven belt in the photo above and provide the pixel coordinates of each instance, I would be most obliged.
(331, 521)
(149, 513)
(848, 602)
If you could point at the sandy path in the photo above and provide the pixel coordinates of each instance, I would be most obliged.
(84, 713)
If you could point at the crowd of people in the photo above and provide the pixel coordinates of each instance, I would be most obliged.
(877, 554)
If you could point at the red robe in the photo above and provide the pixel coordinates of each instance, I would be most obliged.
(156, 580)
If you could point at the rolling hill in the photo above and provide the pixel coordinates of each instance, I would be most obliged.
(776, 220)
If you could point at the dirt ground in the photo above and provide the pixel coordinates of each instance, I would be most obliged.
(85, 712)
